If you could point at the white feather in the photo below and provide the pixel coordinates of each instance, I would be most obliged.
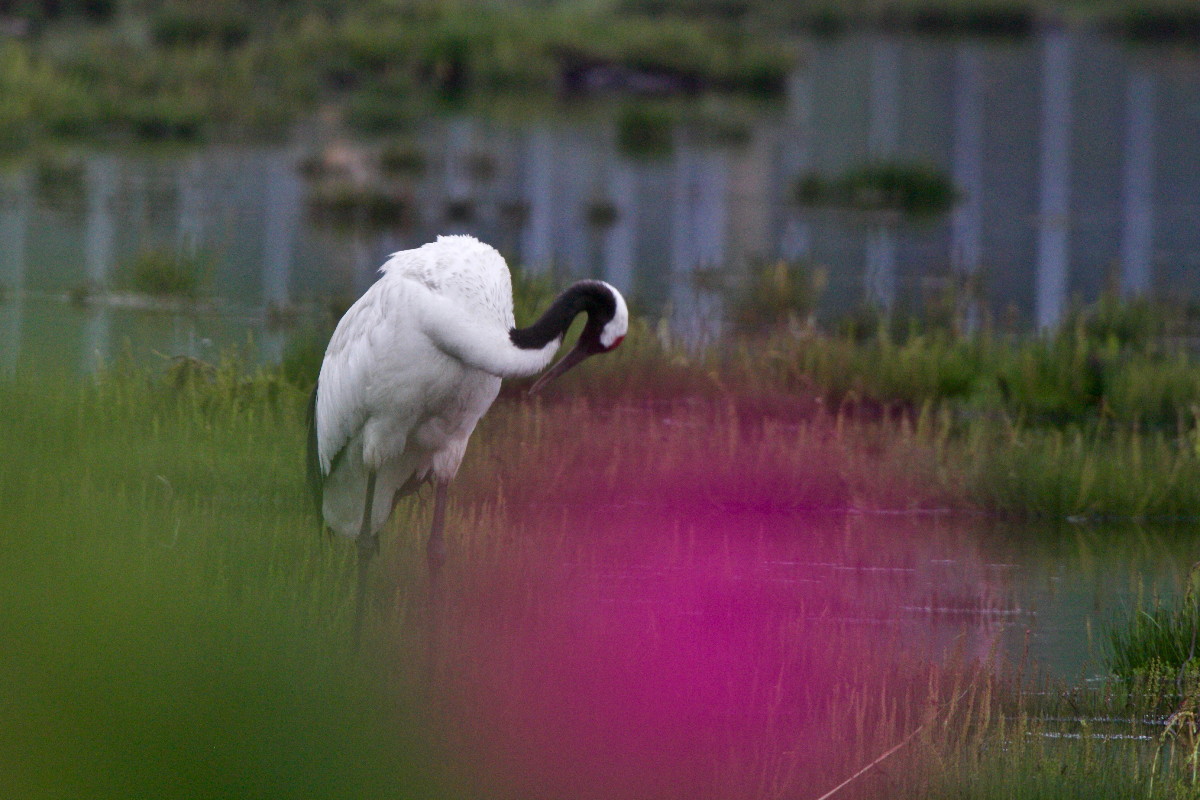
(409, 371)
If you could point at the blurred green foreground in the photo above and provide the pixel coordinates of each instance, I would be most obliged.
(173, 625)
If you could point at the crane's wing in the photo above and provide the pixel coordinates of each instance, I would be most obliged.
(398, 332)
(450, 299)
(340, 404)
(458, 295)
(462, 269)
(475, 340)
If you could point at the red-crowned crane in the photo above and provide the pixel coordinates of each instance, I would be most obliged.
(411, 368)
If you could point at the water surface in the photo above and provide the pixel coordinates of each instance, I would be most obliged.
(1035, 596)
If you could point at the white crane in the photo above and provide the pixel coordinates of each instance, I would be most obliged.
(411, 368)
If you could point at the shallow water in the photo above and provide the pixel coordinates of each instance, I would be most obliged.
(647, 652)
(1035, 598)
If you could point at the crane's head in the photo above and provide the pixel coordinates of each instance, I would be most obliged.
(607, 324)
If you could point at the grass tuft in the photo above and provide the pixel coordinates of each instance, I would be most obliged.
(163, 273)
(343, 205)
(913, 189)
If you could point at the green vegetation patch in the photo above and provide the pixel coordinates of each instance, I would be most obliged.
(173, 71)
(166, 273)
(913, 189)
(645, 131)
(344, 205)
(179, 627)
(1155, 646)
(174, 623)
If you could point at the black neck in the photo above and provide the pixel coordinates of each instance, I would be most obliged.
(590, 297)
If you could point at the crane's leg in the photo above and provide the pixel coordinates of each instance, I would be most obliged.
(368, 546)
(435, 550)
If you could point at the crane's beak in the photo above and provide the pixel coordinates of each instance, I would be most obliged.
(569, 360)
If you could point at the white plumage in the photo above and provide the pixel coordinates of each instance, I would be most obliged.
(415, 363)
(411, 368)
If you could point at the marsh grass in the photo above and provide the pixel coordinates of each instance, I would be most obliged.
(1116, 362)
(645, 131)
(1115, 365)
(769, 298)
(1061, 427)
(639, 603)
(168, 72)
(162, 71)
(913, 189)
(1153, 647)
(170, 633)
(927, 422)
(166, 274)
(344, 205)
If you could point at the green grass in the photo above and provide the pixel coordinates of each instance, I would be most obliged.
(1154, 646)
(169, 72)
(167, 274)
(177, 627)
(777, 297)
(344, 205)
(1114, 364)
(1084, 422)
(644, 130)
(170, 632)
(914, 189)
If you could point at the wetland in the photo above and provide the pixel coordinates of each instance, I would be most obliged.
(901, 455)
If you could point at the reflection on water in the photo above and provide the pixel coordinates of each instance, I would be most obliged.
(1075, 159)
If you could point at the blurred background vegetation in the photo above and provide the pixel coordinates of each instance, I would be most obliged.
(172, 70)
